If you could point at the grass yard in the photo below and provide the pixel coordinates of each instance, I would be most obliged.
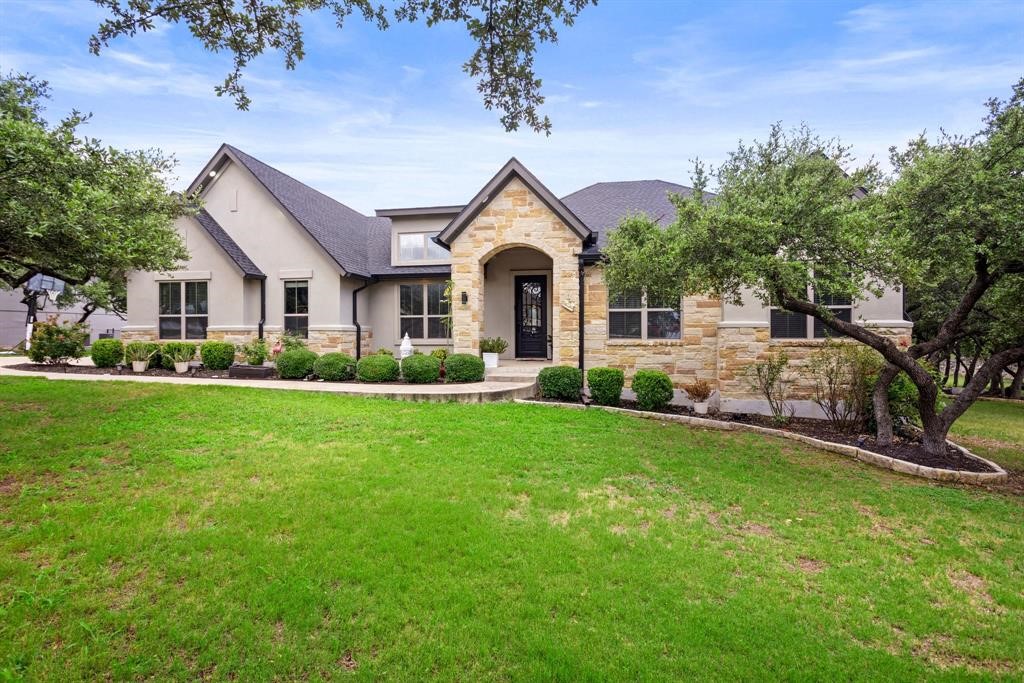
(181, 532)
(995, 430)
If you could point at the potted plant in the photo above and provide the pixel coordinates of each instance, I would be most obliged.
(139, 356)
(699, 392)
(491, 349)
(182, 357)
(255, 352)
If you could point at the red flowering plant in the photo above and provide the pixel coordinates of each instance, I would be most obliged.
(55, 343)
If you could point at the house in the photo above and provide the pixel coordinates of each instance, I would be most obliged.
(13, 312)
(270, 254)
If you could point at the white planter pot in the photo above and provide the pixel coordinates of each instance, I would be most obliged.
(182, 367)
(269, 364)
(139, 365)
(701, 408)
(490, 360)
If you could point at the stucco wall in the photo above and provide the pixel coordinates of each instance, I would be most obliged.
(380, 312)
(516, 218)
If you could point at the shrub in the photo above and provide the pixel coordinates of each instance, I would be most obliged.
(377, 367)
(421, 369)
(495, 345)
(180, 352)
(295, 364)
(385, 352)
(255, 351)
(440, 354)
(699, 391)
(57, 343)
(902, 398)
(653, 389)
(606, 385)
(463, 367)
(768, 378)
(217, 355)
(335, 367)
(562, 382)
(106, 353)
(842, 374)
(143, 350)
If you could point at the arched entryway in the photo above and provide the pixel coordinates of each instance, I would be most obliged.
(517, 301)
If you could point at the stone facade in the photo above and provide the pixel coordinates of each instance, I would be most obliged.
(692, 357)
(320, 340)
(516, 218)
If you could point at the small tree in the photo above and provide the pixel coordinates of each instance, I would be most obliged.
(788, 223)
(843, 376)
(768, 378)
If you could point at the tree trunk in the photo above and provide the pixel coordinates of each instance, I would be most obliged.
(945, 375)
(1018, 381)
(969, 374)
(87, 310)
(956, 369)
(880, 398)
(995, 387)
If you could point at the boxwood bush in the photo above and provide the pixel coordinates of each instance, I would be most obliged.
(562, 382)
(653, 389)
(296, 364)
(377, 368)
(217, 355)
(421, 369)
(167, 352)
(106, 353)
(146, 349)
(463, 367)
(606, 385)
(335, 367)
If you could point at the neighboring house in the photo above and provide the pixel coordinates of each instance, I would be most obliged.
(13, 312)
(269, 253)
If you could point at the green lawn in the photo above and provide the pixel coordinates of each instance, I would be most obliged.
(994, 429)
(168, 532)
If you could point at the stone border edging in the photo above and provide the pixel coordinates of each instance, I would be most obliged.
(861, 454)
(998, 399)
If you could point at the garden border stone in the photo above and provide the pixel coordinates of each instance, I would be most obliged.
(876, 459)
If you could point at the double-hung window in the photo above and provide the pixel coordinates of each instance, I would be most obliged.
(634, 315)
(419, 246)
(296, 307)
(788, 325)
(183, 310)
(422, 311)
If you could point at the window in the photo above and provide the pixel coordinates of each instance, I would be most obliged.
(296, 307)
(632, 316)
(422, 309)
(190, 319)
(787, 325)
(419, 246)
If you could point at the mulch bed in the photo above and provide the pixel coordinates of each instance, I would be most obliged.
(161, 372)
(904, 447)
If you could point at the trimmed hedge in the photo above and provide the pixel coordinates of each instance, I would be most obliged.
(148, 347)
(169, 348)
(296, 364)
(421, 369)
(335, 367)
(463, 367)
(217, 355)
(606, 385)
(563, 382)
(106, 353)
(653, 389)
(377, 368)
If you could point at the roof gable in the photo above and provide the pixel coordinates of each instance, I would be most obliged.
(512, 169)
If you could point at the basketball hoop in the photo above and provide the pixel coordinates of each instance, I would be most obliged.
(52, 294)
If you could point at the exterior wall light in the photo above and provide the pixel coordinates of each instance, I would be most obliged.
(465, 298)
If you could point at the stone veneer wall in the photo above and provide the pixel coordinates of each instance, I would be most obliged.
(320, 340)
(743, 344)
(516, 218)
(685, 360)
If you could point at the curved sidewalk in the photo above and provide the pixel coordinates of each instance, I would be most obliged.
(476, 392)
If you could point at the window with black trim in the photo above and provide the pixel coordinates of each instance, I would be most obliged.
(422, 311)
(183, 310)
(633, 315)
(788, 325)
(296, 307)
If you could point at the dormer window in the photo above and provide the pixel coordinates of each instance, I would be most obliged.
(419, 247)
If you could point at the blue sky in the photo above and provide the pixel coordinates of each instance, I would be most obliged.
(635, 90)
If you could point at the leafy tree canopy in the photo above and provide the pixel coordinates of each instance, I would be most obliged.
(506, 34)
(72, 208)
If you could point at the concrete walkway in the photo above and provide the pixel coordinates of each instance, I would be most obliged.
(476, 392)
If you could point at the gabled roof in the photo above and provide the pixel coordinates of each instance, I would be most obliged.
(603, 205)
(230, 247)
(512, 169)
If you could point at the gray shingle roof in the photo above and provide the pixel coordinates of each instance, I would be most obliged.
(230, 247)
(602, 205)
(378, 249)
(341, 231)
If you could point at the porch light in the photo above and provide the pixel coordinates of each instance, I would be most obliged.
(465, 298)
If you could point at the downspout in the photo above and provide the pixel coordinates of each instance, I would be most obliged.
(582, 317)
(263, 306)
(355, 316)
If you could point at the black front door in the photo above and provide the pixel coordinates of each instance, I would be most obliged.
(531, 316)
